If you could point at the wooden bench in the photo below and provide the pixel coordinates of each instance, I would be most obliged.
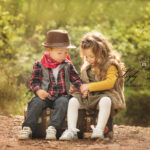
(85, 119)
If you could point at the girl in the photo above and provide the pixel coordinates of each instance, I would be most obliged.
(102, 72)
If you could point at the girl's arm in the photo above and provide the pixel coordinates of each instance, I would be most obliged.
(108, 83)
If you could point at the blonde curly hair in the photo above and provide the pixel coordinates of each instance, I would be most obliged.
(100, 47)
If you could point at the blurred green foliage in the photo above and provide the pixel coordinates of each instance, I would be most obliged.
(23, 26)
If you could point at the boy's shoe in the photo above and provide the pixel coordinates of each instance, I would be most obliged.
(69, 135)
(51, 133)
(25, 134)
(97, 133)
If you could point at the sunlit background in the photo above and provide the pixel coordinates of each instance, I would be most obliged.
(23, 26)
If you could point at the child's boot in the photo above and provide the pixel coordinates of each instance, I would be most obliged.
(51, 133)
(69, 135)
(97, 133)
(25, 134)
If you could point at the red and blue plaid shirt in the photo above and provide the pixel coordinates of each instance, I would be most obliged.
(58, 89)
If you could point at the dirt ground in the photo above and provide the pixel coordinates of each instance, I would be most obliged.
(125, 138)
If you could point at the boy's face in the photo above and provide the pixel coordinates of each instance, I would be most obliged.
(58, 54)
(89, 55)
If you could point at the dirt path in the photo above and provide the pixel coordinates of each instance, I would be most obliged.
(125, 138)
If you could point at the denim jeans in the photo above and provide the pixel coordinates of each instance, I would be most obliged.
(36, 106)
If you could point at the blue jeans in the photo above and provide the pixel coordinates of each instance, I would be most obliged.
(36, 106)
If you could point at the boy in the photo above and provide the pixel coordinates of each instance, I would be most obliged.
(50, 82)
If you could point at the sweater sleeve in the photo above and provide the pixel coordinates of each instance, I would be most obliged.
(108, 83)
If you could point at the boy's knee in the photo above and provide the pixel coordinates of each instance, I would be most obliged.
(63, 101)
(37, 101)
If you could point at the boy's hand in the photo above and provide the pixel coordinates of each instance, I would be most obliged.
(73, 89)
(42, 94)
(84, 88)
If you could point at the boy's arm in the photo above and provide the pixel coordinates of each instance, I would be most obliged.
(74, 77)
(36, 77)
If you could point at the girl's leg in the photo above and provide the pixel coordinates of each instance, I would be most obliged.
(72, 116)
(104, 112)
(103, 115)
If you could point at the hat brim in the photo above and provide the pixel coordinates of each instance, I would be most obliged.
(56, 46)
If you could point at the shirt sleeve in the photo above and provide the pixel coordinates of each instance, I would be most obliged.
(74, 77)
(36, 77)
(108, 83)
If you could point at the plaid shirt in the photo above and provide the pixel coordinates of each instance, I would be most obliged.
(55, 90)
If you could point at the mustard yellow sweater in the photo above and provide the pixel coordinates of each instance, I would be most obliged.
(108, 83)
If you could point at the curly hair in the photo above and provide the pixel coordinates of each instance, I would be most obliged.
(100, 47)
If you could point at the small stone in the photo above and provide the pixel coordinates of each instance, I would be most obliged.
(134, 131)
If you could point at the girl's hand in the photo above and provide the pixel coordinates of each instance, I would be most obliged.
(84, 95)
(84, 87)
(73, 89)
(42, 94)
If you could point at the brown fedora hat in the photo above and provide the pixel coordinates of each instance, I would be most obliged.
(57, 39)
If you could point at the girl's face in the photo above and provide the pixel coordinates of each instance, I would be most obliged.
(89, 55)
(58, 54)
